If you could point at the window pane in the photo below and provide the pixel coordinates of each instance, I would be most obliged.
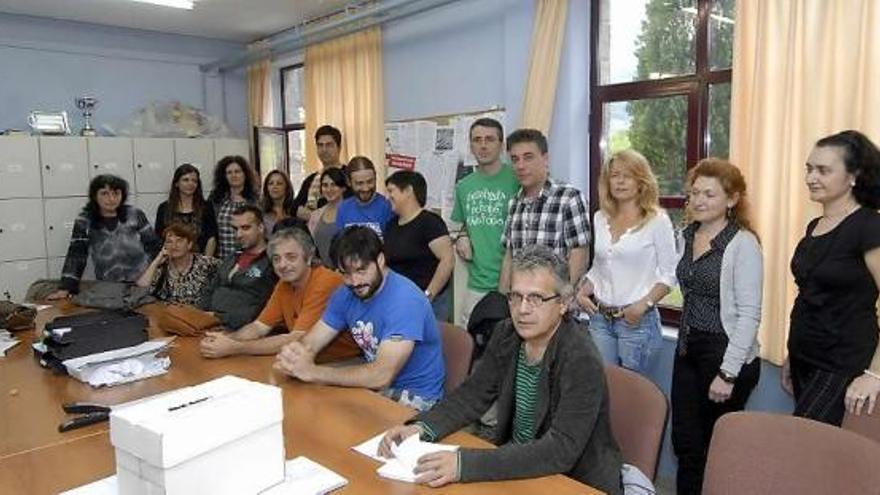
(646, 39)
(270, 146)
(656, 128)
(719, 120)
(296, 155)
(721, 24)
(294, 112)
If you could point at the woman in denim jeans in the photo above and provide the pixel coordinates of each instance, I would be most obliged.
(721, 276)
(634, 263)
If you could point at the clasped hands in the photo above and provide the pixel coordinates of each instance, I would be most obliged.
(296, 360)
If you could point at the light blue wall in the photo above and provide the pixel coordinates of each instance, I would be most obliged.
(46, 63)
(474, 54)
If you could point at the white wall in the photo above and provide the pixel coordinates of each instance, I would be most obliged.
(46, 63)
(474, 54)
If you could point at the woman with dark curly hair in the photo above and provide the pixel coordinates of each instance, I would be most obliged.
(833, 362)
(235, 185)
(186, 204)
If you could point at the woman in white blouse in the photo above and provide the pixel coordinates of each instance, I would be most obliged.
(634, 263)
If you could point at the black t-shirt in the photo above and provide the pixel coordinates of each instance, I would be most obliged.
(206, 226)
(834, 319)
(406, 247)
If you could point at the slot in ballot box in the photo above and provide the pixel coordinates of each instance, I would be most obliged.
(220, 437)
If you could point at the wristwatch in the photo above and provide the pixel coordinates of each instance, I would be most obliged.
(726, 377)
(650, 304)
(428, 293)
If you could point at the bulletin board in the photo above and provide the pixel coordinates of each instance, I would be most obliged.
(438, 148)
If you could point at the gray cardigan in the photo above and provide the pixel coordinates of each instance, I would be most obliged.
(573, 430)
(742, 281)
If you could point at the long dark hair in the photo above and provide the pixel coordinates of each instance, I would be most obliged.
(862, 159)
(267, 204)
(198, 202)
(100, 182)
(221, 185)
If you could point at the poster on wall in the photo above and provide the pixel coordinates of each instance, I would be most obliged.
(438, 148)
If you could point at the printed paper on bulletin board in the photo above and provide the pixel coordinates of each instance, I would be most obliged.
(436, 147)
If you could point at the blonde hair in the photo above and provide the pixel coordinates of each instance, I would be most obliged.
(733, 183)
(636, 165)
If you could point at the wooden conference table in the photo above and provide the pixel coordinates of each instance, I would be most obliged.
(320, 422)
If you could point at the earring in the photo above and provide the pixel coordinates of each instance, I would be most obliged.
(852, 184)
(731, 212)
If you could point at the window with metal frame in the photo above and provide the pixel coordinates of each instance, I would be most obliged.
(660, 83)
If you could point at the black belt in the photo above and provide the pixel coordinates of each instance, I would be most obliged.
(611, 312)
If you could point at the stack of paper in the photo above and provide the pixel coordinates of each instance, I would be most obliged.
(406, 456)
(7, 341)
(302, 476)
(122, 365)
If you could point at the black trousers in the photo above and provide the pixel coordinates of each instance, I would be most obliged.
(693, 414)
(819, 394)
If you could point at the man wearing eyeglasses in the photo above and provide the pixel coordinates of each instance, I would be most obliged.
(481, 201)
(549, 382)
(389, 318)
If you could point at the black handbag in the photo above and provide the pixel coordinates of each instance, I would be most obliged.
(68, 337)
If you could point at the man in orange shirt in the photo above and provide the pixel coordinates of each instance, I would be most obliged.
(298, 300)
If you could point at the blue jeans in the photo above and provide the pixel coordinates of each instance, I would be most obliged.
(440, 304)
(632, 347)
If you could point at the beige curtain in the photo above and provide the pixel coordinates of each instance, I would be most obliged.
(344, 88)
(259, 98)
(546, 50)
(802, 69)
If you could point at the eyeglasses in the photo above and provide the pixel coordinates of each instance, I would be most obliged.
(534, 300)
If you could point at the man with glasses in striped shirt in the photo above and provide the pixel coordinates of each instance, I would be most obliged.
(549, 382)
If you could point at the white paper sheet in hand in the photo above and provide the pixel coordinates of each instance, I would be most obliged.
(406, 456)
(303, 476)
(370, 448)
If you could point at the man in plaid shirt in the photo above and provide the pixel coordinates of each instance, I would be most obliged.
(543, 211)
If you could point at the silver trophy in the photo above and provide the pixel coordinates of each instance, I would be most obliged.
(87, 104)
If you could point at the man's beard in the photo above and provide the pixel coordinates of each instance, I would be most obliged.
(373, 288)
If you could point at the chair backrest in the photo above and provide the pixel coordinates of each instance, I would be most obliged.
(760, 453)
(864, 424)
(458, 350)
(638, 417)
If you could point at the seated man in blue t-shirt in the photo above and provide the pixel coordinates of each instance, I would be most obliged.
(366, 206)
(390, 319)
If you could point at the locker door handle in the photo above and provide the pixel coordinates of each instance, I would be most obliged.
(96, 166)
(51, 228)
(140, 165)
(48, 167)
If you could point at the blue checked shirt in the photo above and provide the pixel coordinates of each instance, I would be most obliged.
(556, 218)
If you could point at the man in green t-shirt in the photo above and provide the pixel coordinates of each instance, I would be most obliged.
(481, 201)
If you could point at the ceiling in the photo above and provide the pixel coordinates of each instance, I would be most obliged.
(233, 20)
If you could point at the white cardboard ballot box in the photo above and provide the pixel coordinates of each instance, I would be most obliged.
(221, 437)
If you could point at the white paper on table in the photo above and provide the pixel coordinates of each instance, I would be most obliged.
(303, 476)
(7, 341)
(406, 455)
(106, 486)
(370, 448)
(121, 365)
